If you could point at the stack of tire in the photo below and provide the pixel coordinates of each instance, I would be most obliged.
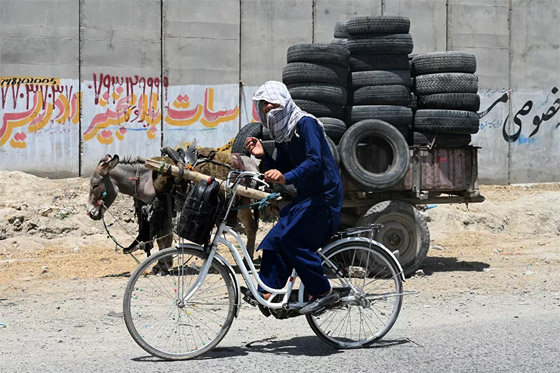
(316, 76)
(446, 87)
(381, 78)
(374, 149)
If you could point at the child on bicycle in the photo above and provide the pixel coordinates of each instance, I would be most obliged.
(303, 158)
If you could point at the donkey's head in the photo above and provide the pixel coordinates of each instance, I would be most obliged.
(102, 192)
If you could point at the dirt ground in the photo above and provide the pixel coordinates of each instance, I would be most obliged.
(508, 243)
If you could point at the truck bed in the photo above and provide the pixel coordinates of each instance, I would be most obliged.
(435, 175)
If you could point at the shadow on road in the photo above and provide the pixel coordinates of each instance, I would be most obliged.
(438, 264)
(299, 346)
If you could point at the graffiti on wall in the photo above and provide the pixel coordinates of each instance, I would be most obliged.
(533, 114)
(36, 105)
(180, 114)
(116, 105)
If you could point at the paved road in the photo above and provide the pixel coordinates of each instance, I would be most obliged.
(78, 326)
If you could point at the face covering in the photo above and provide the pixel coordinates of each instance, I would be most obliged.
(282, 121)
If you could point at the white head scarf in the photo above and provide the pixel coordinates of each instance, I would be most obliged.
(282, 121)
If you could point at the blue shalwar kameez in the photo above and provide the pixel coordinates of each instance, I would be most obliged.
(311, 218)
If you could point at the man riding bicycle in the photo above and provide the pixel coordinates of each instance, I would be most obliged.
(303, 158)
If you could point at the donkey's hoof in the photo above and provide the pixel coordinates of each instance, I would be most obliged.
(132, 248)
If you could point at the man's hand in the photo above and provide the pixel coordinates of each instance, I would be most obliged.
(254, 146)
(274, 176)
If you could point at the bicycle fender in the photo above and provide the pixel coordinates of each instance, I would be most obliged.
(229, 268)
(390, 255)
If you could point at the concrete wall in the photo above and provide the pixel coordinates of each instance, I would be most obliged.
(89, 77)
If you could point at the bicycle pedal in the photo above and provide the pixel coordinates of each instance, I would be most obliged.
(248, 296)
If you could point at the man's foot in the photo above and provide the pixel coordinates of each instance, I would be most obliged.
(319, 304)
(249, 298)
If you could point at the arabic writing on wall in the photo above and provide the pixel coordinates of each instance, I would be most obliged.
(541, 111)
(33, 108)
(110, 107)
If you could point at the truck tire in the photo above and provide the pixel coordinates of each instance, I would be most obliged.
(384, 138)
(340, 30)
(382, 95)
(334, 128)
(334, 94)
(334, 151)
(404, 230)
(446, 121)
(399, 116)
(379, 62)
(450, 101)
(381, 77)
(444, 62)
(379, 44)
(253, 129)
(446, 83)
(378, 24)
(300, 72)
(318, 53)
(320, 109)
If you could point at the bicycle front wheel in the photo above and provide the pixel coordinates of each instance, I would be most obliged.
(371, 289)
(167, 316)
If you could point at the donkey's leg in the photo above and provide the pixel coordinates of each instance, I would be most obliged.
(164, 231)
(164, 242)
(142, 241)
(251, 226)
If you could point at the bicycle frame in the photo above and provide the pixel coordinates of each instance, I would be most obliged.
(219, 237)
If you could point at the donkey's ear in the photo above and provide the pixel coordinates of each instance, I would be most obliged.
(113, 162)
(107, 163)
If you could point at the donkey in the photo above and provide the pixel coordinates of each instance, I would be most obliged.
(131, 177)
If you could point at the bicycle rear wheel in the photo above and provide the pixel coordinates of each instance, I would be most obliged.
(163, 320)
(373, 302)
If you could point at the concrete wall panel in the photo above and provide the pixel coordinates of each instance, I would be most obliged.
(427, 22)
(268, 28)
(481, 27)
(535, 39)
(39, 38)
(39, 130)
(329, 12)
(201, 42)
(121, 79)
(493, 154)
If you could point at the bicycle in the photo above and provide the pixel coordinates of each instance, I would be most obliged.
(188, 311)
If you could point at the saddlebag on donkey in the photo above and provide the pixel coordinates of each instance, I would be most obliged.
(202, 208)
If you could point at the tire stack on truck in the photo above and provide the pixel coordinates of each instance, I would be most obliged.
(381, 78)
(360, 86)
(374, 150)
(446, 87)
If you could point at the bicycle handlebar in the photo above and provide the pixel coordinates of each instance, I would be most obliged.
(237, 176)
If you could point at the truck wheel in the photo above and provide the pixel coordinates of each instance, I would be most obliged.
(404, 229)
